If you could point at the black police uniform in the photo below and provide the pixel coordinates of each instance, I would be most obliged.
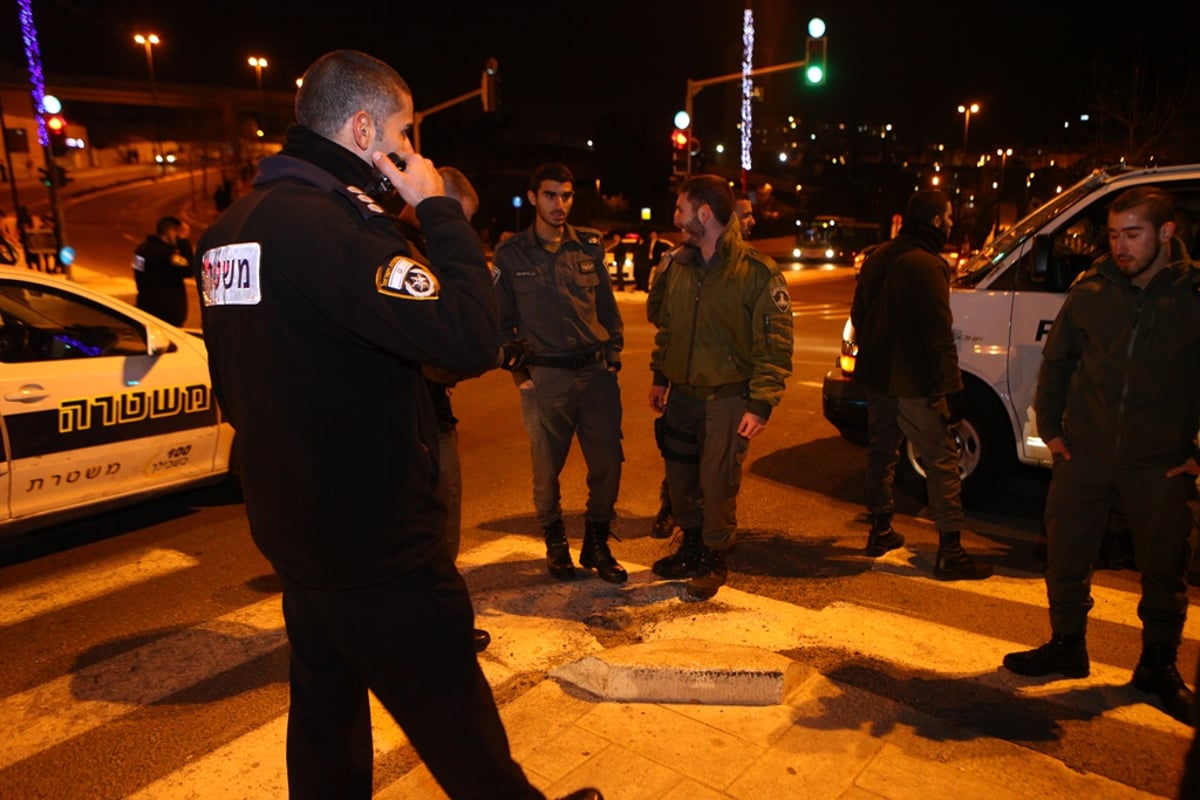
(159, 270)
(317, 315)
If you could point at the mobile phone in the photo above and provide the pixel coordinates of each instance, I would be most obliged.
(381, 187)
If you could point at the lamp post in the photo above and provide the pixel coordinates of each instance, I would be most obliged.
(148, 41)
(1004, 154)
(967, 111)
(259, 63)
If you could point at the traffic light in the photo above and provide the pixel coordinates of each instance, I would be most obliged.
(61, 178)
(679, 151)
(44, 176)
(56, 130)
(814, 68)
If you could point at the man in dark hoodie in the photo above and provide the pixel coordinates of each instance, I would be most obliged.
(318, 316)
(909, 365)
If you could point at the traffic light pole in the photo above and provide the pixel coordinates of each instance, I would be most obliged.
(694, 87)
(60, 234)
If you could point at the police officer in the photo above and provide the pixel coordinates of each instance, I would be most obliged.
(317, 315)
(159, 270)
(555, 294)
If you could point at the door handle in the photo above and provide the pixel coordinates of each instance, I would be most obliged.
(29, 393)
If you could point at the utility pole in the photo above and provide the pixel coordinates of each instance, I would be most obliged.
(486, 92)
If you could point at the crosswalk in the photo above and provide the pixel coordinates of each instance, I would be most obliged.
(533, 629)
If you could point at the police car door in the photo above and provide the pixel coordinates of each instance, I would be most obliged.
(87, 414)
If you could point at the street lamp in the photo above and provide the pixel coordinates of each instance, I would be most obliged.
(258, 64)
(148, 41)
(967, 111)
(1004, 154)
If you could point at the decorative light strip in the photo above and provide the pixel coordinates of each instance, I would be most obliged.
(747, 84)
(34, 56)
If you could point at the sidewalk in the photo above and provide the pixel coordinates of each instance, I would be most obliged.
(726, 699)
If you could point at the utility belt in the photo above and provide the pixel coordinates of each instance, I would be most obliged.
(721, 392)
(577, 361)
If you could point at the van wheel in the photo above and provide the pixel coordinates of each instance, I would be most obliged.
(987, 451)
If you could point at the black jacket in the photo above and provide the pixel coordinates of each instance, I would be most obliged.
(902, 318)
(159, 270)
(317, 315)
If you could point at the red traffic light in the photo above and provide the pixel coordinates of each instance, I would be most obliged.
(56, 124)
(679, 139)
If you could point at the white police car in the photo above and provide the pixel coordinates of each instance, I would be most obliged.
(1004, 301)
(100, 404)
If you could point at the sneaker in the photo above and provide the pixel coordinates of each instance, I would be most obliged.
(1064, 655)
(953, 564)
(710, 575)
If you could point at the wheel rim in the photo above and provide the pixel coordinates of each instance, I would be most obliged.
(970, 451)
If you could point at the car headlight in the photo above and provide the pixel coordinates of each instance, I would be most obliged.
(849, 349)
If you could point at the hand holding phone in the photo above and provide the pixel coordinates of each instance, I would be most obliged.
(413, 176)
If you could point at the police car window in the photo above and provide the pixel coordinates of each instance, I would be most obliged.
(42, 324)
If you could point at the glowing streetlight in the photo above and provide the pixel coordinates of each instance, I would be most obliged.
(1004, 154)
(967, 111)
(148, 41)
(259, 64)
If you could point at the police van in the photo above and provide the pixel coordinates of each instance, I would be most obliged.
(1004, 300)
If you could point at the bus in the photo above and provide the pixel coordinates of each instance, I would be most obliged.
(834, 240)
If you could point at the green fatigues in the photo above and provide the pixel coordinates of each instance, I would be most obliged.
(724, 347)
(1120, 382)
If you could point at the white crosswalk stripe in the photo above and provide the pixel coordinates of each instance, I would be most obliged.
(533, 631)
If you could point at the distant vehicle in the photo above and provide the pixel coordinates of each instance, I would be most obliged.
(101, 404)
(1004, 301)
(835, 240)
(619, 260)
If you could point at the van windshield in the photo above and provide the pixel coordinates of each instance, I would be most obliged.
(995, 252)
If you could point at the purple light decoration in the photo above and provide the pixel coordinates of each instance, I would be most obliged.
(34, 56)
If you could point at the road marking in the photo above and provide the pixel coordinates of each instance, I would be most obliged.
(87, 583)
(53, 712)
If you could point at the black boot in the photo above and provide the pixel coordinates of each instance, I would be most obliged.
(1065, 655)
(684, 562)
(953, 563)
(482, 639)
(664, 523)
(709, 576)
(1157, 675)
(596, 555)
(882, 538)
(584, 794)
(558, 553)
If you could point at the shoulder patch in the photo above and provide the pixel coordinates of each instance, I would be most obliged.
(782, 300)
(229, 275)
(588, 236)
(403, 277)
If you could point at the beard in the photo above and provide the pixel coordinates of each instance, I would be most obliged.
(693, 229)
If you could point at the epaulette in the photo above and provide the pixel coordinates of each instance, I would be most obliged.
(589, 236)
(362, 201)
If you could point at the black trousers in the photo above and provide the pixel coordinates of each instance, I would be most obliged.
(409, 642)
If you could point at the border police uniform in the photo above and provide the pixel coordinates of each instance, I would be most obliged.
(317, 315)
(562, 304)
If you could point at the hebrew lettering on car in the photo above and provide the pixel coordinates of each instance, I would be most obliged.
(91, 421)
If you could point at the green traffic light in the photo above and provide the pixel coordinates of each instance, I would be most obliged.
(814, 75)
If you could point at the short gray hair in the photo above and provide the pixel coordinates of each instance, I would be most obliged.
(342, 82)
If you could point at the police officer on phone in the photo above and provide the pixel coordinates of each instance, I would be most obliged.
(317, 316)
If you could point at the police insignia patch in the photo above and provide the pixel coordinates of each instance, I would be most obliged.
(782, 301)
(404, 277)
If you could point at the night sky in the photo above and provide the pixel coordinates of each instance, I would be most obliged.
(565, 65)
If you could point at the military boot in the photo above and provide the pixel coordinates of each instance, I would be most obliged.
(584, 794)
(1064, 655)
(953, 563)
(1157, 675)
(558, 553)
(596, 555)
(709, 576)
(664, 523)
(684, 562)
(882, 538)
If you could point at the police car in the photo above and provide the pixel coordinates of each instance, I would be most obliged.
(100, 404)
(1004, 301)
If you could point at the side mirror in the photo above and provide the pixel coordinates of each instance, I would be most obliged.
(157, 340)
